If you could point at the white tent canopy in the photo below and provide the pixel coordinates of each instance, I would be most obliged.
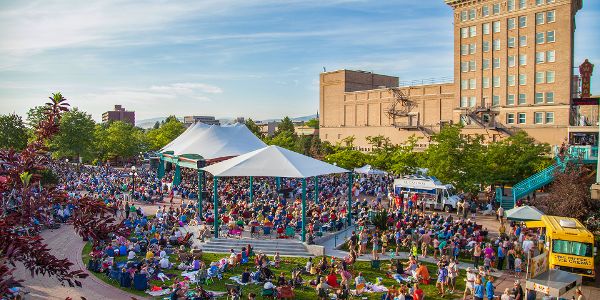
(272, 161)
(367, 169)
(524, 213)
(213, 141)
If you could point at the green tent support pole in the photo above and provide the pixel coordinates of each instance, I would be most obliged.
(350, 183)
(200, 189)
(216, 204)
(251, 188)
(316, 189)
(303, 209)
(161, 168)
(177, 179)
(278, 183)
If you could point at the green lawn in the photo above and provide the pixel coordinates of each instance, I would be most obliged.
(288, 263)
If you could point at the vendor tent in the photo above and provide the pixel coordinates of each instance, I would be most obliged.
(554, 283)
(524, 213)
(367, 169)
(274, 161)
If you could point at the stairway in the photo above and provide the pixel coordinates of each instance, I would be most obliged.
(268, 246)
(534, 182)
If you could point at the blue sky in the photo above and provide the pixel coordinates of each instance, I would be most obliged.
(228, 58)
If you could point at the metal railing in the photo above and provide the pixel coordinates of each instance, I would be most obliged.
(426, 81)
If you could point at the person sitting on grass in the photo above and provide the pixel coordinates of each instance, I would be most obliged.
(418, 293)
(332, 279)
(422, 273)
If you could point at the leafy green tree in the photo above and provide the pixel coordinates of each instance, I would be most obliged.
(348, 158)
(514, 159)
(171, 118)
(76, 135)
(35, 115)
(285, 125)
(284, 139)
(348, 142)
(405, 159)
(156, 125)
(158, 138)
(252, 126)
(118, 140)
(312, 123)
(13, 133)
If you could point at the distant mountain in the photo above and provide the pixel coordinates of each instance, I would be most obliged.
(148, 123)
(296, 119)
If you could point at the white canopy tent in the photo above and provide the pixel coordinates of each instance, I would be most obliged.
(368, 170)
(524, 213)
(214, 141)
(274, 161)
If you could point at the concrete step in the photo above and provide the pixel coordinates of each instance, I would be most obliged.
(284, 247)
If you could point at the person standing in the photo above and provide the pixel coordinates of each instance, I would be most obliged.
(479, 289)
(490, 288)
(500, 214)
(476, 255)
(501, 256)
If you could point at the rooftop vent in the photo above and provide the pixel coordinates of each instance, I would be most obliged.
(567, 223)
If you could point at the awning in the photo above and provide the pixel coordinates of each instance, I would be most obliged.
(554, 282)
(524, 213)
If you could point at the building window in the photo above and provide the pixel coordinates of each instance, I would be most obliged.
(496, 81)
(464, 84)
(495, 100)
(485, 46)
(549, 76)
(550, 56)
(522, 79)
(486, 28)
(510, 100)
(464, 33)
(463, 15)
(540, 77)
(464, 49)
(472, 101)
(550, 16)
(496, 63)
(522, 59)
(522, 99)
(549, 117)
(523, 41)
(511, 61)
(472, 31)
(512, 80)
(464, 66)
(522, 21)
(539, 38)
(496, 45)
(485, 11)
(472, 83)
(522, 4)
(550, 36)
(472, 65)
(463, 101)
(511, 42)
(496, 8)
(549, 97)
(485, 63)
(485, 82)
(538, 118)
(511, 23)
(540, 57)
(472, 48)
(539, 2)
(539, 98)
(511, 5)
(471, 14)
(510, 118)
(496, 26)
(521, 118)
(539, 18)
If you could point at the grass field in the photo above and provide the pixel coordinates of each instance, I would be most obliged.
(288, 263)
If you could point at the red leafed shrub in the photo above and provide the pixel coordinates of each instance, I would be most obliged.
(24, 208)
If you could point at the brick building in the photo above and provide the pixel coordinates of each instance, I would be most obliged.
(119, 114)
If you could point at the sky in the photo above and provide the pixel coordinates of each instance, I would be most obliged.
(227, 58)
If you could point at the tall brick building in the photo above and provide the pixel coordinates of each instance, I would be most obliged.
(513, 70)
(119, 114)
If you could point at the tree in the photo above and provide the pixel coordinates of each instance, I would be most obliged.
(285, 125)
(569, 194)
(118, 140)
(348, 158)
(35, 115)
(284, 139)
(13, 133)
(76, 135)
(404, 159)
(348, 142)
(251, 125)
(171, 129)
(26, 208)
(312, 123)
(156, 125)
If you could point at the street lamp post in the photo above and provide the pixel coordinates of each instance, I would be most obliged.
(133, 173)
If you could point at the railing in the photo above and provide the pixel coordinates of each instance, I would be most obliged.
(534, 182)
(585, 153)
(426, 81)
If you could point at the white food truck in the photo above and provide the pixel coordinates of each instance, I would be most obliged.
(429, 189)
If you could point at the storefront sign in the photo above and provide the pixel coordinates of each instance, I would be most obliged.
(586, 69)
(539, 265)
